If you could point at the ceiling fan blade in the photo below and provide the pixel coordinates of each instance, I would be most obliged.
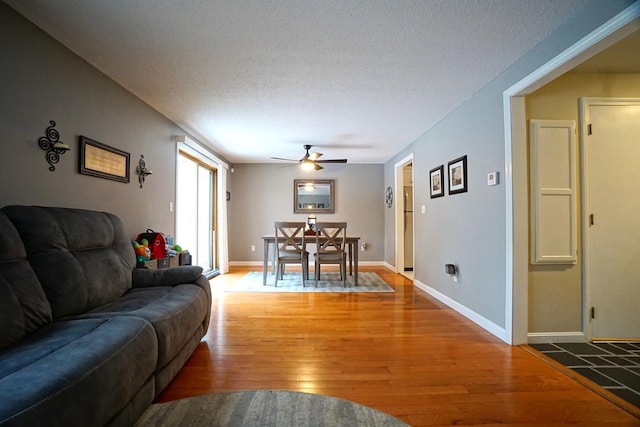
(280, 158)
(314, 156)
(332, 161)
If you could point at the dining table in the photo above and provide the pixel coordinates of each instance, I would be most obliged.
(352, 254)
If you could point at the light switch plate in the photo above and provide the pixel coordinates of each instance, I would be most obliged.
(492, 178)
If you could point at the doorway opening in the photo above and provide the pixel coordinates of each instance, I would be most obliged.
(516, 158)
(404, 217)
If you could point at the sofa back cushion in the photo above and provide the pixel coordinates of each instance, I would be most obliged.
(82, 258)
(23, 305)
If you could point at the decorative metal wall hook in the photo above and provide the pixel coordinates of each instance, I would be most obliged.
(142, 171)
(52, 144)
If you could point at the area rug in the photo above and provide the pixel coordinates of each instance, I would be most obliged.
(264, 408)
(292, 282)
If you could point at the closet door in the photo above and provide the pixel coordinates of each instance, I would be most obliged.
(612, 214)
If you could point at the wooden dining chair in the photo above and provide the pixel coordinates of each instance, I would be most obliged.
(330, 247)
(291, 248)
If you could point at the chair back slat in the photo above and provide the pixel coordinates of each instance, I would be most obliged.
(287, 235)
(291, 247)
(330, 246)
(330, 237)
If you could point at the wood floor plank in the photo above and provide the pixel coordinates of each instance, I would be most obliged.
(403, 353)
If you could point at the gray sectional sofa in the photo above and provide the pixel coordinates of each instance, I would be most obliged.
(87, 339)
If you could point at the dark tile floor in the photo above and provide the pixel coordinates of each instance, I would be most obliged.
(615, 366)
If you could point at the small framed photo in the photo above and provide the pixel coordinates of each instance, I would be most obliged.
(458, 175)
(436, 178)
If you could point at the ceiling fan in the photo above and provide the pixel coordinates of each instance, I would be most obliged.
(310, 161)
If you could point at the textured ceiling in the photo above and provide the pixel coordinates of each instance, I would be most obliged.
(360, 79)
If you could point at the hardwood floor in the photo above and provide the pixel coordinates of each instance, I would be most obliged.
(403, 353)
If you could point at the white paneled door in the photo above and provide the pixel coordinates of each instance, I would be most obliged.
(612, 216)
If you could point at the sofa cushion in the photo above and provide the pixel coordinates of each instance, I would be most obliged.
(80, 372)
(82, 258)
(175, 276)
(175, 312)
(23, 306)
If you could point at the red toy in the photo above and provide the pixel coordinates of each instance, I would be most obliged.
(156, 241)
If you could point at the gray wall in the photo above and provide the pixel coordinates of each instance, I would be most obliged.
(41, 80)
(263, 193)
(469, 229)
(465, 229)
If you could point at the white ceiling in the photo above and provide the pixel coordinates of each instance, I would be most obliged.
(360, 79)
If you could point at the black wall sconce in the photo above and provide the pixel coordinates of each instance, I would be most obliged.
(53, 146)
(142, 171)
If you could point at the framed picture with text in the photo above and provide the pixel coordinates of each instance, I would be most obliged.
(102, 161)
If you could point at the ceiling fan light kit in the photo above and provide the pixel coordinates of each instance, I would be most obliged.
(308, 165)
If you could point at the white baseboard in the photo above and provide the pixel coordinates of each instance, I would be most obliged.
(371, 264)
(245, 263)
(390, 267)
(549, 337)
(481, 321)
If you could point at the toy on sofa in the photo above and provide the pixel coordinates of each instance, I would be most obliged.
(156, 241)
(143, 253)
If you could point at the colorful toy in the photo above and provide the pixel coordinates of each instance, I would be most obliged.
(173, 250)
(156, 242)
(143, 253)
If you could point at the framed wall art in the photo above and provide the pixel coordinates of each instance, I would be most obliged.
(317, 196)
(98, 159)
(436, 180)
(458, 175)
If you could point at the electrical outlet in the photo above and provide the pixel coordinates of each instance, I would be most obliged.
(363, 247)
(253, 248)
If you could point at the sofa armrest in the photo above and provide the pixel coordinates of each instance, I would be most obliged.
(143, 278)
(186, 274)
